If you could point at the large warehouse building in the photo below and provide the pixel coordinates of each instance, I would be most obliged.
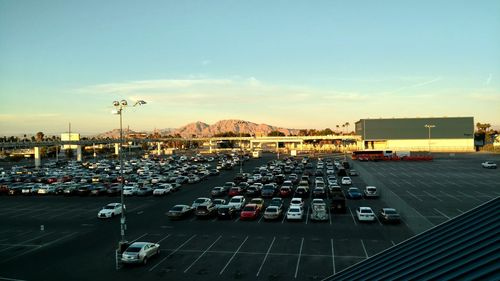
(444, 134)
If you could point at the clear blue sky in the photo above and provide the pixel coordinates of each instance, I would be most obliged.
(295, 64)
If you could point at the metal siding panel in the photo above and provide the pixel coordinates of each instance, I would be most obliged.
(414, 128)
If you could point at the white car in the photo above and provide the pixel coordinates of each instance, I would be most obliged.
(346, 180)
(162, 190)
(219, 202)
(489, 165)
(371, 192)
(365, 214)
(130, 190)
(295, 213)
(201, 201)
(237, 202)
(140, 252)
(110, 210)
(297, 202)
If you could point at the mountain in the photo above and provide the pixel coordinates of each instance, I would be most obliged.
(200, 129)
(115, 133)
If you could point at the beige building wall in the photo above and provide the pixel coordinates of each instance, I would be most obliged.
(436, 145)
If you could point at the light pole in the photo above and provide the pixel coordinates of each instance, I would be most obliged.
(119, 106)
(429, 126)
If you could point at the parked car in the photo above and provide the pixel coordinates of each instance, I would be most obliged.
(110, 210)
(273, 212)
(219, 202)
(98, 190)
(179, 211)
(285, 191)
(162, 190)
(144, 191)
(276, 201)
(237, 202)
(297, 201)
(389, 215)
(218, 191)
(365, 214)
(346, 181)
(268, 190)
(319, 212)
(295, 213)
(302, 192)
(226, 212)
(259, 202)
(205, 211)
(200, 201)
(371, 192)
(353, 172)
(234, 191)
(319, 192)
(250, 211)
(337, 204)
(140, 252)
(489, 165)
(354, 193)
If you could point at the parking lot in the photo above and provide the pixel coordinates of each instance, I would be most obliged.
(56, 237)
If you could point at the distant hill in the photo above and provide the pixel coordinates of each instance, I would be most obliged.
(201, 129)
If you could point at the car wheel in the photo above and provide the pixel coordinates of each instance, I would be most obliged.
(112, 215)
(145, 260)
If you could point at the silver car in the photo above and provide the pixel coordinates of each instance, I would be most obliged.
(140, 252)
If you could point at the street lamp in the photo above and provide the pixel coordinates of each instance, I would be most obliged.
(119, 106)
(429, 126)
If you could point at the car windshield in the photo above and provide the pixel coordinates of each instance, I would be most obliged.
(353, 190)
(272, 210)
(133, 249)
(109, 207)
(199, 200)
(294, 210)
(365, 211)
(177, 209)
(249, 208)
(391, 212)
(235, 200)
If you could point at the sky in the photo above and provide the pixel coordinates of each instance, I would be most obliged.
(293, 64)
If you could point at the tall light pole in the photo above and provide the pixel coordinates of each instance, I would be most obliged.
(119, 106)
(429, 126)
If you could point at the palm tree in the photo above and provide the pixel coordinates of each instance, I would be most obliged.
(347, 126)
(338, 128)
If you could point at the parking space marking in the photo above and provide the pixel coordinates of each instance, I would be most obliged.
(28, 212)
(443, 214)
(29, 240)
(364, 248)
(265, 257)
(261, 217)
(11, 279)
(483, 195)
(433, 196)
(284, 217)
(379, 222)
(298, 260)
(352, 215)
(467, 195)
(461, 212)
(202, 254)
(393, 244)
(168, 235)
(237, 219)
(175, 250)
(139, 237)
(307, 215)
(232, 257)
(19, 245)
(451, 196)
(330, 218)
(414, 196)
(333, 256)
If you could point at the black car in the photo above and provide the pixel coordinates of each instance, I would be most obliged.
(319, 192)
(253, 191)
(98, 190)
(226, 212)
(338, 204)
(114, 191)
(83, 190)
(389, 215)
(268, 190)
(301, 192)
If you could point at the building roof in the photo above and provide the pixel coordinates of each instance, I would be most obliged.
(466, 247)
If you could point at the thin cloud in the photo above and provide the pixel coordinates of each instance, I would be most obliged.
(417, 85)
(488, 80)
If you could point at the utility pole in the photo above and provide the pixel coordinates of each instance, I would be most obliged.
(429, 126)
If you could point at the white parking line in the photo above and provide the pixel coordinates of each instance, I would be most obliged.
(333, 256)
(298, 260)
(11, 279)
(451, 196)
(461, 212)
(352, 215)
(261, 217)
(393, 244)
(176, 249)
(467, 195)
(307, 215)
(29, 212)
(433, 196)
(29, 240)
(139, 237)
(444, 215)
(380, 223)
(201, 255)
(364, 248)
(265, 257)
(237, 250)
(482, 194)
(330, 218)
(168, 235)
(284, 217)
(414, 196)
(237, 219)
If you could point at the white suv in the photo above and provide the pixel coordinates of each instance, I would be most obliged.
(346, 180)
(237, 202)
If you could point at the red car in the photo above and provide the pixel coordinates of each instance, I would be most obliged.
(250, 212)
(234, 191)
(285, 191)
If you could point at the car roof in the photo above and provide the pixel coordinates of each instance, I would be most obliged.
(365, 208)
(181, 205)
